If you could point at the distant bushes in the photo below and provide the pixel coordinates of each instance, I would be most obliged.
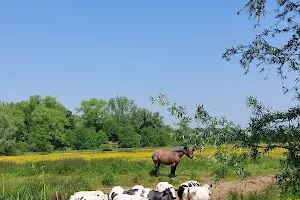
(42, 124)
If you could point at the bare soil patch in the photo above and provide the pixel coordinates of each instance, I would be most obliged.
(220, 191)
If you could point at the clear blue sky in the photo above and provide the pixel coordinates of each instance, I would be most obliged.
(75, 50)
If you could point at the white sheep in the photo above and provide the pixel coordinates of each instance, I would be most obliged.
(185, 185)
(116, 196)
(161, 186)
(197, 193)
(89, 195)
(140, 187)
(117, 190)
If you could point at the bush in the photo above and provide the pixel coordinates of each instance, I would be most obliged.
(83, 138)
(106, 147)
(154, 137)
(128, 138)
(102, 138)
(39, 140)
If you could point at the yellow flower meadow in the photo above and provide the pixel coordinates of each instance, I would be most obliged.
(131, 156)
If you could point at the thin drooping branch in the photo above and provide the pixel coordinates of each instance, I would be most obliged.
(265, 52)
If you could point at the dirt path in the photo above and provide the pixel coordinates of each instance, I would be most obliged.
(221, 190)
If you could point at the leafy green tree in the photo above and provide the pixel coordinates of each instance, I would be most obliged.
(71, 121)
(142, 117)
(52, 121)
(7, 133)
(39, 139)
(121, 109)
(83, 138)
(276, 47)
(128, 138)
(94, 112)
(150, 137)
(16, 117)
(111, 128)
(154, 137)
(102, 138)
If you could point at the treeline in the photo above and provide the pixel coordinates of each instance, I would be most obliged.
(42, 124)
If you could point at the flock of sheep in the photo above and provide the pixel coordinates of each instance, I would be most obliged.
(189, 190)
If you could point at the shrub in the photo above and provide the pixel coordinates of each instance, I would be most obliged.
(128, 138)
(83, 138)
(106, 147)
(102, 138)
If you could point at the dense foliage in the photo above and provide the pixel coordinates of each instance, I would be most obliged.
(43, 124)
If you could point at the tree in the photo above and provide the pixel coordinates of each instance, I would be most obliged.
(102, 138)
(7, 135)
(94, 112)
(83, 138)
(51, 122)
(265, 52)
(128, 138)
(111, 128)
(121, 109)
(278, 129)
(153, 137)
(16, 117)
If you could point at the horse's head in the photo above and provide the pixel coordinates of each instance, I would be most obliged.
(189, 153)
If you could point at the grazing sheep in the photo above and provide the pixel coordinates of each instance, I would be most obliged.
(116, 196)
(161, 186)
(89, 195)
(116, 190)
(185, 185)
(118, 193)
(140, 187)
(145, 192)
(133, 192)
(197, 193)
(156, 195)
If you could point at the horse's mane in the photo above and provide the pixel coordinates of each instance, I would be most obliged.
(178, 149)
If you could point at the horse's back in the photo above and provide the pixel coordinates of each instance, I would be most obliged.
(164, 157)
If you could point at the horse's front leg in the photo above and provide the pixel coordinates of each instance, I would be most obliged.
(173, 170)
(157, 164)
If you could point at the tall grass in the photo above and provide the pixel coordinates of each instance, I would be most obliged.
(58, 175)
(59, 179)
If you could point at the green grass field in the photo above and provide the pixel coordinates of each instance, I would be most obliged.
(51, 178)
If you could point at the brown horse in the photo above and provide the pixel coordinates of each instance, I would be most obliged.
(170, 158)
